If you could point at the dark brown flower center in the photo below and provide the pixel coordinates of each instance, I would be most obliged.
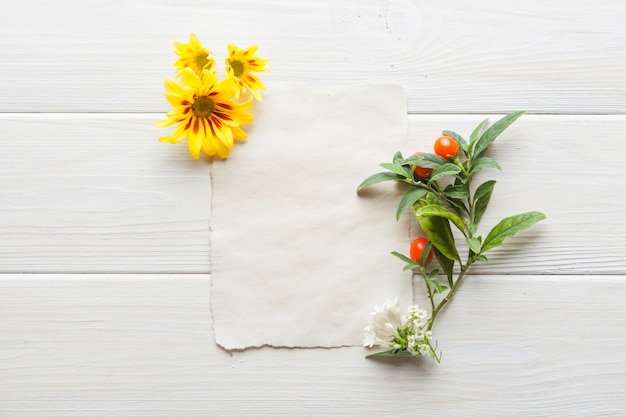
(237, 67)
(202, 58)
(203, 107)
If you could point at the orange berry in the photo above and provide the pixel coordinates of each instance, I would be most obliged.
(421, 172)
(446, 147)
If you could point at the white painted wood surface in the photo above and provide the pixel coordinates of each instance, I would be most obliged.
(104, 266)
(141, 346)
(451, 55)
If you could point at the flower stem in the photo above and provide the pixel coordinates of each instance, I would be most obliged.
(450, 294)
(428, 289)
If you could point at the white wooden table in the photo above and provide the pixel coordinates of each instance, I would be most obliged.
(104, 253)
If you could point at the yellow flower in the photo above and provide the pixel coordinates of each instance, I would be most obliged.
(193, 55)
(205, 114)
(240, 64)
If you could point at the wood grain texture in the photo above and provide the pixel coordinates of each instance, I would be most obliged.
(142, 346)
(568, 167)
(99, 193)
(452, 56)
(86, 190)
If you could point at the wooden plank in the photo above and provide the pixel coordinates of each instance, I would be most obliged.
(99, 193)
(559, 57)
(142, 346)
(568, 167)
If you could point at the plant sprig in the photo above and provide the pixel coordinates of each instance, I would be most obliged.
(446, 200)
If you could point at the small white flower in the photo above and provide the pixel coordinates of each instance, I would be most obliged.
(425, 350)
(411, 344)
(419, 335)
(421, 314)
(429, 335)
(418, 323)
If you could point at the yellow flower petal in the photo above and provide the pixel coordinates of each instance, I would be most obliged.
(239, 134)
(221, 149)
(193, 55)
(194, 140)
(240, 64)
(204, 113)
(164, 123)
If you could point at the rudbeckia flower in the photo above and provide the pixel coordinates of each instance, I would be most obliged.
(193, 55)
(205, 114)
(239, 67)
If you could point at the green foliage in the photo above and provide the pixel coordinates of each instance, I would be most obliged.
(438, 206)
(438, 230)
(459, 139)
(408, 199)
(396, 169)
(482, 163)
(476, 133)
(443, 171)
(376, 178)
(473, 243)
(457, 192)
(425, 160)
(446, 264)
(481, 199)
(440, 211)
(493, 132)
(509, 227)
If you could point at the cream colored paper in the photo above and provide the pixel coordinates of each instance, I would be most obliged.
(298, 258)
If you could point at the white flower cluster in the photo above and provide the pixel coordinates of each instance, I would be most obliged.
(407, 333)
(414, 327)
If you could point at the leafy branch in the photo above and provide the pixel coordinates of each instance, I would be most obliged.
(442, 198)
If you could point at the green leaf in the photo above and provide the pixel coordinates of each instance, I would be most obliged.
(425, 252)
(434, 283)
(475, 134)
(437, 286)
(397, 158)
(481, 258)
(481, 199)
(410, 266)
(438, 230)
(409, 262)
(437, 210)
(459, 139)
(391, 352)
(446, 264)
(433, 273)
(482, 163)
(408, 199)
(508, 227)
(445, 170)
(471, 227)
(473, 243)
(397, 169)
(458, 203)
(425, 160)
(456, 191)
(376, 178)
(431, 199)
(402, 257)
(493, 132)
